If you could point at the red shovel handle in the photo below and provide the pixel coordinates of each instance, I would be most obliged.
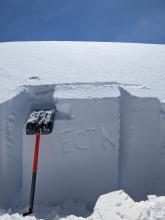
(36, 152)
(34, 174)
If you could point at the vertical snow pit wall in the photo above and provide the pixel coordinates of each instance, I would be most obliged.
(161, 185)
(3, 107)
(140, 145)
(79, 160)
(13, 115)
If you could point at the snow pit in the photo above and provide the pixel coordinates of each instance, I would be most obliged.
(109, 130)
(100, 143)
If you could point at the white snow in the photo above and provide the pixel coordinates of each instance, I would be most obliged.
(109, 130)
(138, 67)
(76, 158)
(116, 205)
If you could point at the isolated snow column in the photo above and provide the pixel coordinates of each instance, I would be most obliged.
(80, 160)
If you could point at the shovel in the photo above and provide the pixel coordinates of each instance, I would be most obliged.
(40, 122)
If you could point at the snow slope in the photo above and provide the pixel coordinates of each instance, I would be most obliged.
(109, 127)
(139, 66)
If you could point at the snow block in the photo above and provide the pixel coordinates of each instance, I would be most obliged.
(79, 160)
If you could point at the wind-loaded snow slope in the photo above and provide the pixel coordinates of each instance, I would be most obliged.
(109, 130)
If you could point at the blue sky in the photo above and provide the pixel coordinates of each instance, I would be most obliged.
(83, 20)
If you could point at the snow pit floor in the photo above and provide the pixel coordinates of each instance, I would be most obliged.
(116, 205)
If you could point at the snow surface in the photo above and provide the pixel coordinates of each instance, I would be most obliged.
(138, 67)
(109, 130)
(116, 205)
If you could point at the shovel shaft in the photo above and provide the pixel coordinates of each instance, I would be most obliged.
(36, 152)
(32, 193)
(34, 174)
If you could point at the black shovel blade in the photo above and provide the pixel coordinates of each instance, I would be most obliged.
(40, 121)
